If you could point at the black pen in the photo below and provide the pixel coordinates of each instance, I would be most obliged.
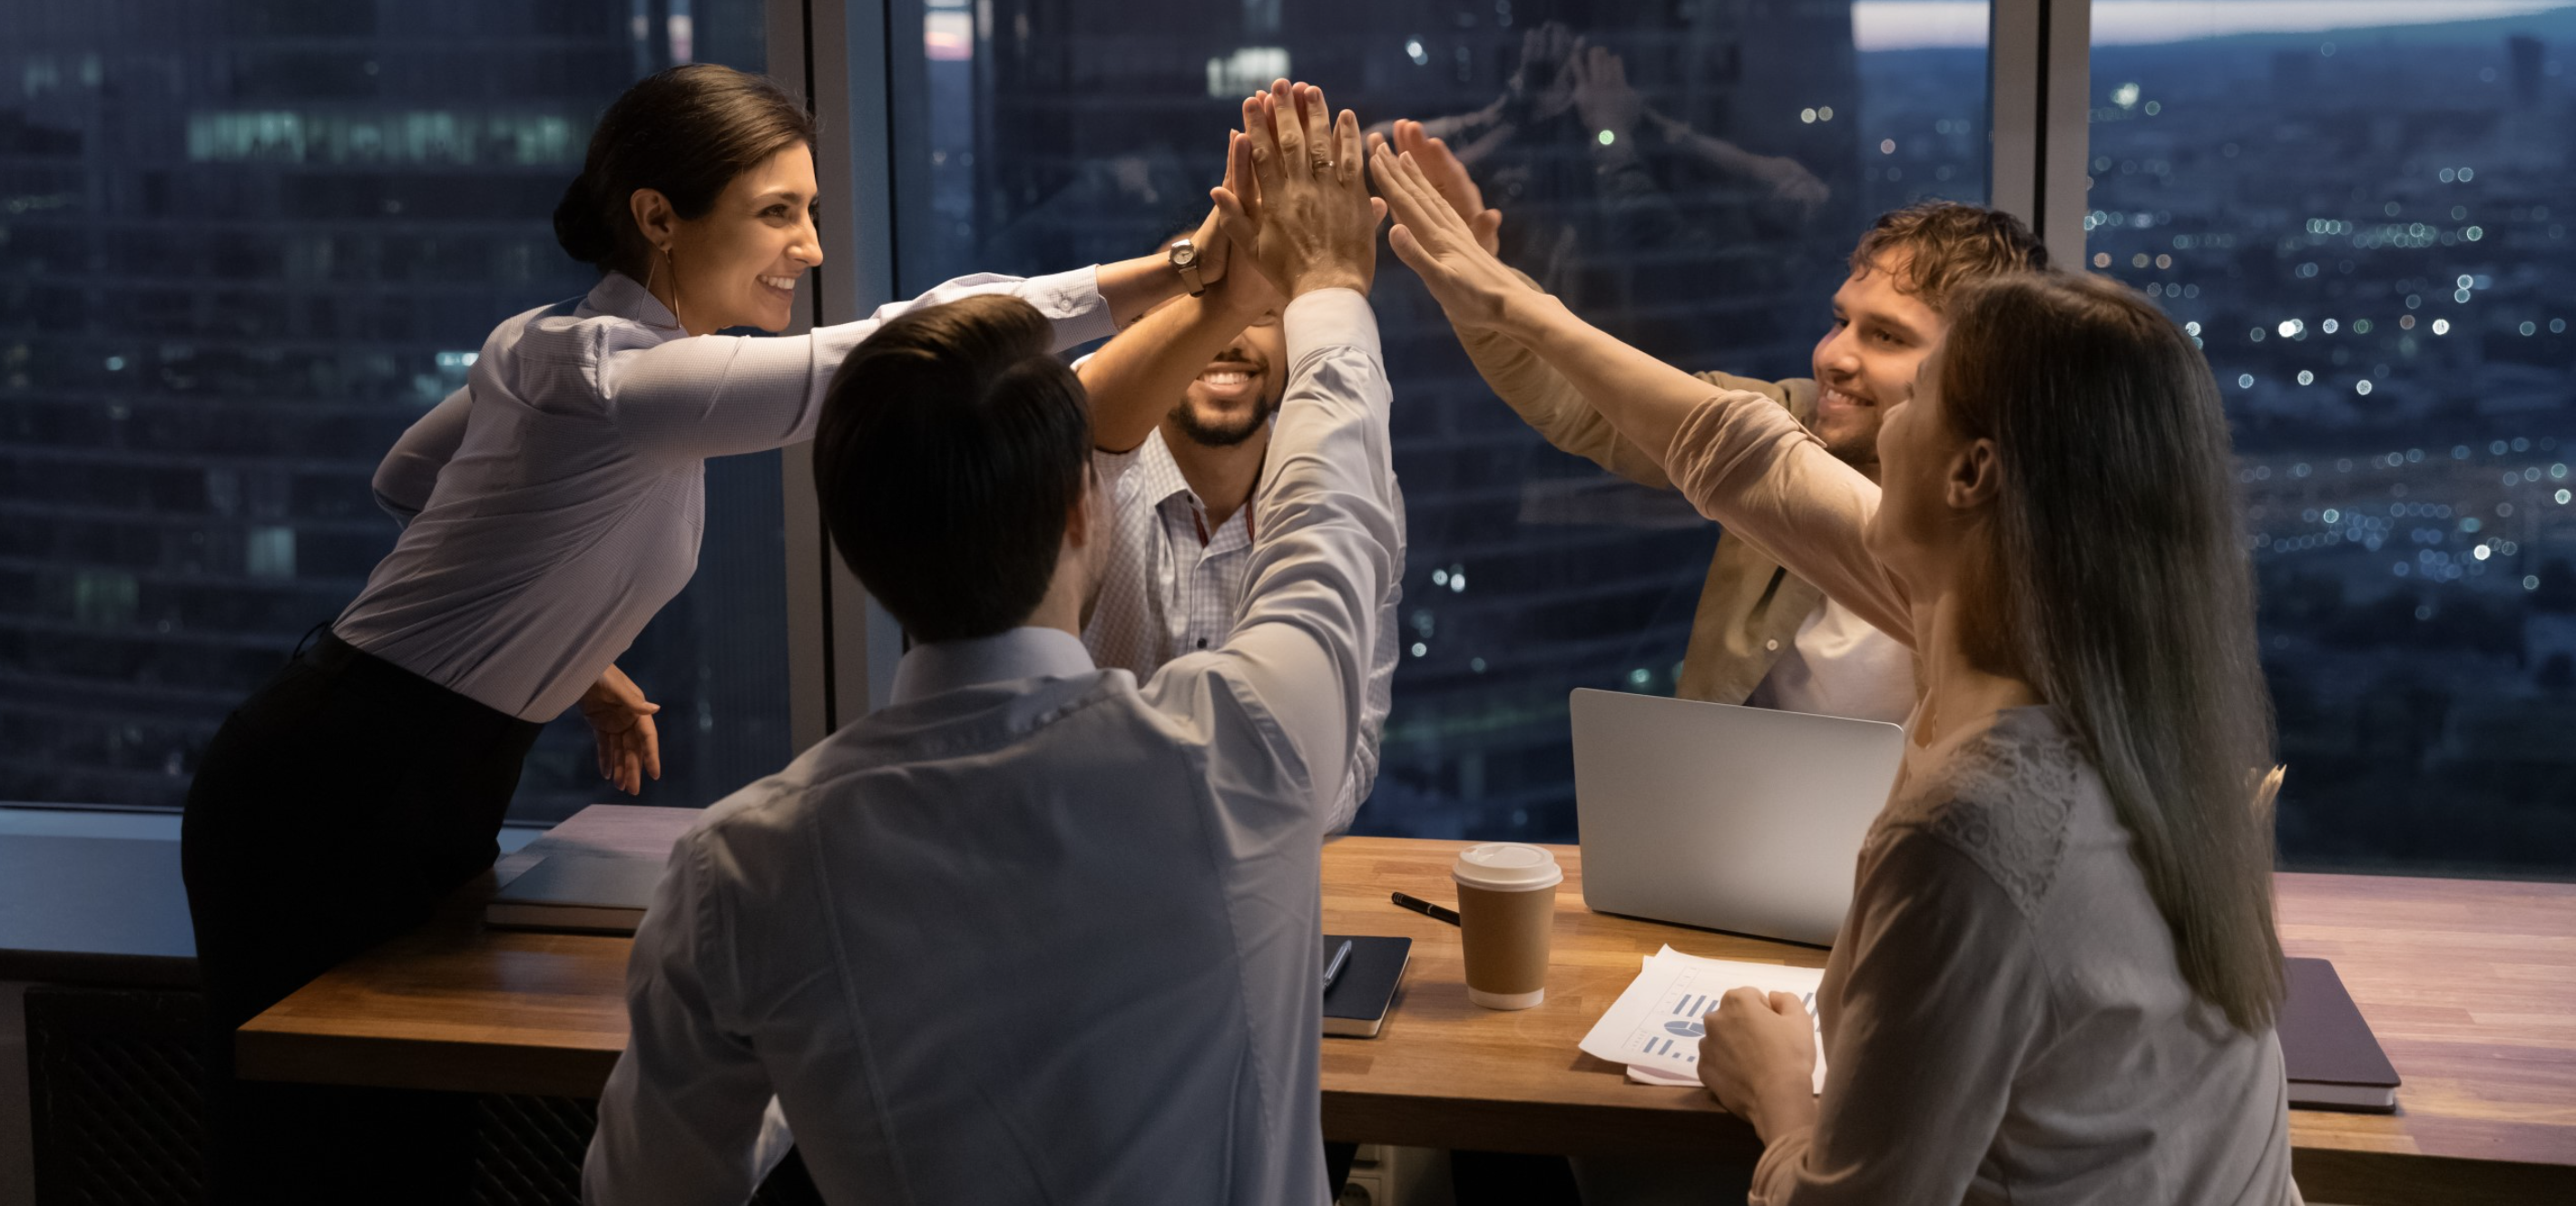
(1333, 966)
(1426, 908)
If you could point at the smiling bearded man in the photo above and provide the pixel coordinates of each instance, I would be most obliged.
(1182, 489)
(1761, 636)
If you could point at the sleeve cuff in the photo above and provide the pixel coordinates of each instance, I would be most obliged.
(1330, 318)
(1072, 301)
(1778, 1169)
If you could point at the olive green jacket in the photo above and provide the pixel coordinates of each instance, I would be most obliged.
(1749, 608)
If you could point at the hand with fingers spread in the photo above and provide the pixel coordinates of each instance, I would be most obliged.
(1449, 177)
(1473, 288)
(1308, 220)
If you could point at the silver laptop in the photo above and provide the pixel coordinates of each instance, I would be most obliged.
(1741, 819)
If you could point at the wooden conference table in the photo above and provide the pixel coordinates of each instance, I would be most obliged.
(2470, 986)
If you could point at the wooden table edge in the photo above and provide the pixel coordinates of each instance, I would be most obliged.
(2385, 1178)
(397, 1062)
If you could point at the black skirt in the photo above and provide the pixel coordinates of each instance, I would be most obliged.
(335, 809)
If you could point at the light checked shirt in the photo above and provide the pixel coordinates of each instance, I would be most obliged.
(1175, 583)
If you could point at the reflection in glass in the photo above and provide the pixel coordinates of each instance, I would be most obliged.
(2363, 215)
(1690, 177)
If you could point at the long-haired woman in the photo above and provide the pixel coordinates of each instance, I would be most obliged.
(550, 508)
(2058, 977)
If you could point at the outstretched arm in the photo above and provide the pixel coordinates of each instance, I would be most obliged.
(1541, 396)
(716, 395)
(1738, 456)
(1328, 534)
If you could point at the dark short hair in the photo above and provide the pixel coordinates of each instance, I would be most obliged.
(952, 448)
(1945, 244)
(686, 132)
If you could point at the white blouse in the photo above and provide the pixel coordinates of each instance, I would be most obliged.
(555, 503)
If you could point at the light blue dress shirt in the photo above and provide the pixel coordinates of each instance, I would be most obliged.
(1035, 932)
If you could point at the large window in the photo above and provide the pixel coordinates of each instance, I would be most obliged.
(1055, 134)
(2363, 211)
(243, 244)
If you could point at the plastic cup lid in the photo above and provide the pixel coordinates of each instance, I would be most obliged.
(1507, 865)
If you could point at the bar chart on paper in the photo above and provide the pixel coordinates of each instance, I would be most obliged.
(1654, 1027)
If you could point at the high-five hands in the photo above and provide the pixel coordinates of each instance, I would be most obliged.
(1472, 287)
(1449, 177)
(1308, 221)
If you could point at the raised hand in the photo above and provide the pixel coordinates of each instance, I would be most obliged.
(1312, 224)
(1472, 287)
(1211, 238)
(1449, 177)
(1602, 96)
(1544, 80)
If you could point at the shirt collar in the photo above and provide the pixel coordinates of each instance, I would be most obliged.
(1157, 476)
(1159, 482)
(943, 666)
(625, 297)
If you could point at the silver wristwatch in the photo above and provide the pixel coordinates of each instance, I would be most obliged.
(1185, 260)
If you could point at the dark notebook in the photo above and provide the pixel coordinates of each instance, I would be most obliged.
(577, 893)
(1355, 1006)
(2334, 1062)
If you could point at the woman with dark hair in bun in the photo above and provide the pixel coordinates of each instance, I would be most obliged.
(550, 507)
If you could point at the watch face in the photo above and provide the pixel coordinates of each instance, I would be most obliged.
(1184, 255)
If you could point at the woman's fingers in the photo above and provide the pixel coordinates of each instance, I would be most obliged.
(1401, 201)
(1451, 223)
(1238, 225)
(1239, 179)
(651, 738)
(1401, 183)
(1409, 250)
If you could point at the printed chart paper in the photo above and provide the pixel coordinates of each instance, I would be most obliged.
(1654, 1027)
